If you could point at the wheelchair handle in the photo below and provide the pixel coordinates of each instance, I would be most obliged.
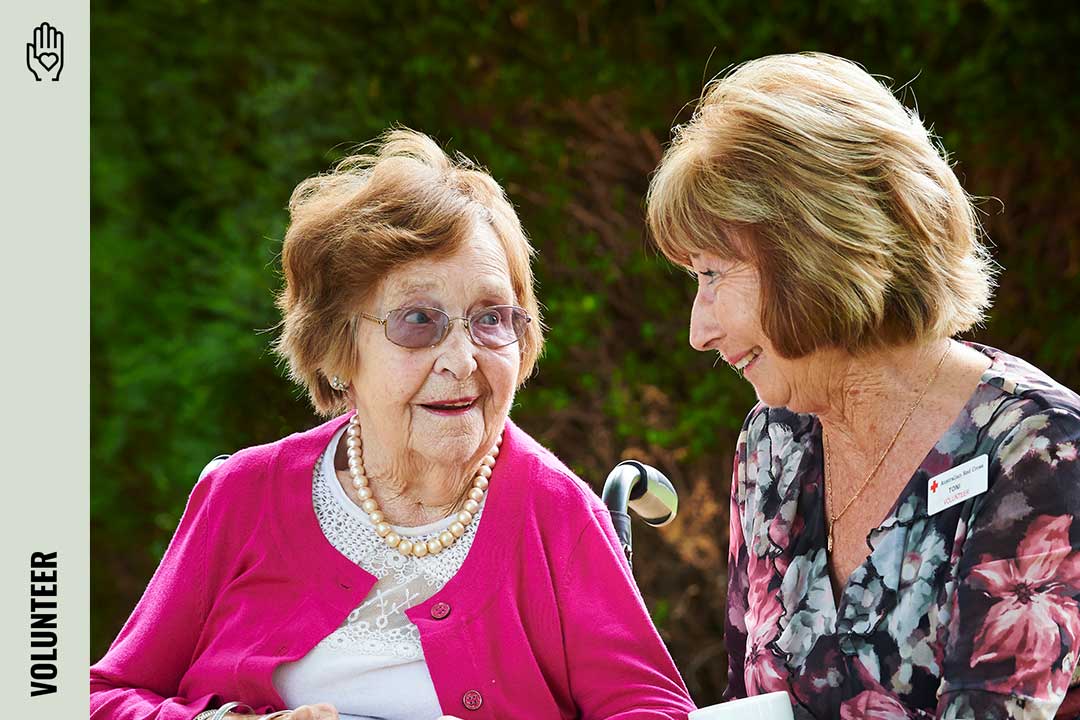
(212, 465)
(632, 485)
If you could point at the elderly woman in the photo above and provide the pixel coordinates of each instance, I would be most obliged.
(904, 539)
(420, 554)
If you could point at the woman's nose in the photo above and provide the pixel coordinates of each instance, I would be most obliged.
(457, 352)
(703, 326)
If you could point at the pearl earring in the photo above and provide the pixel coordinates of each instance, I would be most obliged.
(337, 384)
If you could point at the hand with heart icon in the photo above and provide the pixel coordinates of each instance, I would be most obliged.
(45, 56)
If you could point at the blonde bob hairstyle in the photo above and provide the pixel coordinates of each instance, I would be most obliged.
(373, 213)
(811, 170)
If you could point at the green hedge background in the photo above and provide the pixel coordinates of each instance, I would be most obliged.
(205, 114)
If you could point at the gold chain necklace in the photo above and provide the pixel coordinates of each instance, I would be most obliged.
(834, 518)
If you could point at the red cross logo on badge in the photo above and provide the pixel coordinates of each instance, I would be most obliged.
(933, 486)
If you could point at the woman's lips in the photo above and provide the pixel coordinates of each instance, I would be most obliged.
(746, 360)
(450, 408)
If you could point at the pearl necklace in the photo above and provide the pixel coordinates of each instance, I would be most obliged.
(406, 546)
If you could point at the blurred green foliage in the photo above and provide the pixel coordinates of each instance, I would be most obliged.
(206, 114)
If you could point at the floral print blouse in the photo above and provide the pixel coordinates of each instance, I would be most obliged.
(967, 613)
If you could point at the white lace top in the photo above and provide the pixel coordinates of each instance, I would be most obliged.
(373, 666)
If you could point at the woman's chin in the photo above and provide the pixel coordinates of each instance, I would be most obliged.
(452, 440)
(769, 395)
(448, 446)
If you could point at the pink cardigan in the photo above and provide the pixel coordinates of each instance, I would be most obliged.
(543, 620)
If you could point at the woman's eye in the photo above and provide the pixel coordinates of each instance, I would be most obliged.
(490, 318)
(417, 317)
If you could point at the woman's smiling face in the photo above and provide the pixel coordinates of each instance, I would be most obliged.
(443, 403)
(726, 318)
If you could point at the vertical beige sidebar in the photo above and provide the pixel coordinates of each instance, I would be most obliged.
(45, 358)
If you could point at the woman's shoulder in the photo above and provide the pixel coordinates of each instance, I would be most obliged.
(251, 471)
(1026, 433)
(550, 485)
(1024, 401)
(1018, 378)
(255, 487)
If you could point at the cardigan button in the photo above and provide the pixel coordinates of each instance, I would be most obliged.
(440, 610)
(472, 700)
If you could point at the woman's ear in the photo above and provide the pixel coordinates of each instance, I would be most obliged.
(338, 382)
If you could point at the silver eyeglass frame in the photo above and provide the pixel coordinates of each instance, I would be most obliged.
(449, 325)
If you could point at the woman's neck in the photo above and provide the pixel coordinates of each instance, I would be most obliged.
(410, 489)
(866, 398)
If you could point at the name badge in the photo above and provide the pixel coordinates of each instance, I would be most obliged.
(961, 483)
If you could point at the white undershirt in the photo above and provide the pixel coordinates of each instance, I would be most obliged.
(372, 667)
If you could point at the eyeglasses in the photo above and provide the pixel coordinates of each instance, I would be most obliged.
(414, 327)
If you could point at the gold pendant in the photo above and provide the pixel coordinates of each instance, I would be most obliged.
(828, 544)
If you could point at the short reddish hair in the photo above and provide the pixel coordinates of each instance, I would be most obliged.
(373, 212)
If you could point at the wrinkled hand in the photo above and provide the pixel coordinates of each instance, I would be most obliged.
(319, 711)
